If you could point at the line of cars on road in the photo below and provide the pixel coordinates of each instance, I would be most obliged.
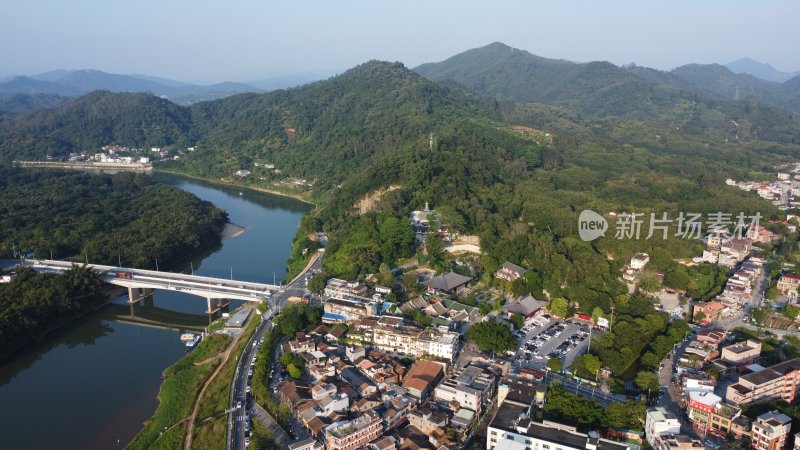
(248, 404)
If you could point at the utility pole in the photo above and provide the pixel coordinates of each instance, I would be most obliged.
(119, 260)
(156, 264)
(231, 272)
(611, 325)
(191, 264)
(86, 254)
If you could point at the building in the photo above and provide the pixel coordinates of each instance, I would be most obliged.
(796, 442)
(306, 444)
(788, 284)
(398, 335)
(341, 310)
(526, 306)
(472, 388)
(710, 310)
(677, 442)
(353, 434)
(421, 378)
(659, 422)
(639, 260)
(449, 282)
(741, 351)
(438, 343)
(512, 429)
(780, 381)
(510, 272)
(346, 290)
(709, 414)
(770, 431)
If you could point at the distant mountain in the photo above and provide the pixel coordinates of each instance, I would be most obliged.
(26, 85)
(760, 70)
(596, 89)
(77, 82)
(719, 81)
(289, 81)
(95, 80)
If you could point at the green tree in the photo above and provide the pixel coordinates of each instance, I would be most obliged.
(771, 293)
(286, 359)
(316, 284)
(649, 282)
(409, 281)
(647, 381)
(555, 364)
(559, 306)
(699, 316)
(294, 372)
(597, 313)
(385, 276)
(435, 248)
(791, 311)
(650, 360)
(492, 335)
(517, 320)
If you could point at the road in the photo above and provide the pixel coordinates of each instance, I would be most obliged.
(672, 401)
(238, 418)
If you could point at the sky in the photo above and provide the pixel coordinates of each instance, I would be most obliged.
(242, 40)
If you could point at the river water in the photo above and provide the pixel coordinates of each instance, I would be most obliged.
(92, 383)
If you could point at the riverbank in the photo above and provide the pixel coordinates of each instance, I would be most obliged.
(239, 185)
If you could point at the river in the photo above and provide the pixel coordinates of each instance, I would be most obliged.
(92, 383)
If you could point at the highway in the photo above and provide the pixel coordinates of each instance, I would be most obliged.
(238, 418)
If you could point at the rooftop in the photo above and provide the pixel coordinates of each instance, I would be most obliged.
(422, 374)
(447, 281)
(514, 268)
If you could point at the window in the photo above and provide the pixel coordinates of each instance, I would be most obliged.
(545, 446)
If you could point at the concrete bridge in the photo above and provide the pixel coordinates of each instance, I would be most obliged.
(140, 283)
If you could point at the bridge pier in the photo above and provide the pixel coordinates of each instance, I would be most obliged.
(215, 304)
(137, 294)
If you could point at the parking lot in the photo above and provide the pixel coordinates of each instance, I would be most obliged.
(544, 338)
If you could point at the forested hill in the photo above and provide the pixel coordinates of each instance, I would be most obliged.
(600, 90)
(517, 175)
(94, 120)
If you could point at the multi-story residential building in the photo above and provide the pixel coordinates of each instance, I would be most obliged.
(788, 284)
(709, 414)
(511, 428)
(341, 310)
(741, 351)
(780, 381)
(510, 272)
(659, 422)
(473, 388)
(345, 290)
(398, 335)
(796, 441)
(770, 431)
(439, 343)
(353, 434)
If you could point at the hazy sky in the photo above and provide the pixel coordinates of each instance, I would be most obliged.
(204, 40)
